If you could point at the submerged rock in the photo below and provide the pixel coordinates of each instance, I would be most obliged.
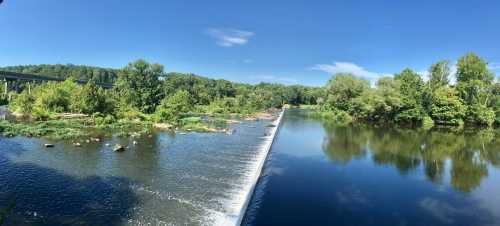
(118, 148)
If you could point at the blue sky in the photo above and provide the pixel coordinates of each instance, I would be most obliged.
(250, 41)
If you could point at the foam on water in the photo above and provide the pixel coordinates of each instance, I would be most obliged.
(236, 205)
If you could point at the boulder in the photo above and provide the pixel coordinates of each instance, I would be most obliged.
(118, 148)
(49, 145)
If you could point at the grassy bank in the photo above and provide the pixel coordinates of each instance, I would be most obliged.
(86, 126)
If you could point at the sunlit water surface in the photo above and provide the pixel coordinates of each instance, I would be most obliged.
(165, 179)
(322, 174)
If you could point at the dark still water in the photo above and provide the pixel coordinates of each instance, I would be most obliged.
(320, 174)
(165, 179)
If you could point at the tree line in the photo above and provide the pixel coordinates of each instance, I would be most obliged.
(144, 91)
(405, 98)
(62, 71)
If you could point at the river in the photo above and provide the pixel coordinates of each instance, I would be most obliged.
(318, 173)
(163, 179)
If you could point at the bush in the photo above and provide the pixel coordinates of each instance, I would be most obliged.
(412, 116)
(22, 103)
(171, 108)
(480, 115)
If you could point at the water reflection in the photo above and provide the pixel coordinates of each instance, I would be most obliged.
(468, 153)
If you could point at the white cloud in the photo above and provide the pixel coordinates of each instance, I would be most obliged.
(494, 66)
(247, 61)
(230, 37)
(348, 67)
(276, 79)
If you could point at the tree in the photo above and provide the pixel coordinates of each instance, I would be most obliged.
(172, 107)
(343, 88)
(91, 99)
(55, 97)
(22, 103)
(471, 67)
(447, 107)
(439, 75)
(474, 82)
(411, 87)
(138, 85)
(474, 79)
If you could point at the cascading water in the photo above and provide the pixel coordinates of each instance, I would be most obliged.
(242, 195)
(163, 179)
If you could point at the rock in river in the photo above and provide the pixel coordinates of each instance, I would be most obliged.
(118, 148)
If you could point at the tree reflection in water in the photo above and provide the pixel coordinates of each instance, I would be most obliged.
(469, 152)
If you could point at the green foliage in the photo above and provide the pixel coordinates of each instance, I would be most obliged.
(407, 99)
(22, 103)
(91, 99)
(439, 74)
(138, 85)
(172, 107)
(342, 89)
(55, 129)
(427, 122)
(447, 107)
(480, 114)
(471, 67)
(60, 71)
(474, 80)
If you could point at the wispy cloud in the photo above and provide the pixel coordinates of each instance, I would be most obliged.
(494, 66)
(230, 37)
(348, 67)
(276, 79)
(247, 61)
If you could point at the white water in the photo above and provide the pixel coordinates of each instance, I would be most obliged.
(236, 206)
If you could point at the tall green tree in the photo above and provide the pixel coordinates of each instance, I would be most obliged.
(474, 82)
(172, 107)
(439, 74)
(138, 85)
(343, 88)
(411, 87)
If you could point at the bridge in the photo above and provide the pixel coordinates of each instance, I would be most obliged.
(17, 78)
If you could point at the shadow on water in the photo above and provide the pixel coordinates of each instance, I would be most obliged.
(34, 195)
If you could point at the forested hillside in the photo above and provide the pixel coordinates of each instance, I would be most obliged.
(63, 71)
(143, 90)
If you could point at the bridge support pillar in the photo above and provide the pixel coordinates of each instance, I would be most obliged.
(6, 87)
(17, 85)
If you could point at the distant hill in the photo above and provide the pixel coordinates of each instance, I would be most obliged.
(80, 72)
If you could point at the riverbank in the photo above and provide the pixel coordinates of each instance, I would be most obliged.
(75, 126)
(343, 118)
